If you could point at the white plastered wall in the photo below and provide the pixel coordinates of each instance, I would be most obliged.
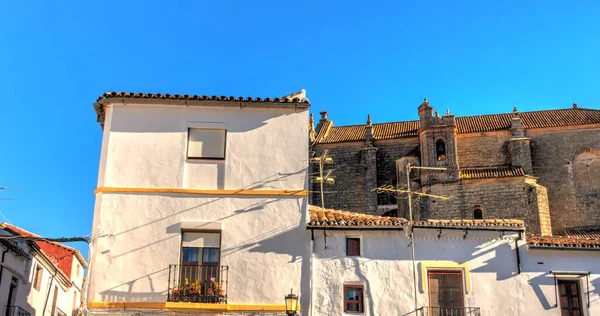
(385, 271)
(137, 236)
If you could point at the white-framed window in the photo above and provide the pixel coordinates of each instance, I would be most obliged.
(206, 143)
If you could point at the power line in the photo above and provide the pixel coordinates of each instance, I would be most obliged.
(86, 239)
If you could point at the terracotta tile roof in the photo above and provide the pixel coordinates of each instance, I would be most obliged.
(160, 96)
(493, 172)
(515, 224)
(328, 217)
(583, 232)
(468, 124)
(563, 242)
(297, 99)
(59, 254)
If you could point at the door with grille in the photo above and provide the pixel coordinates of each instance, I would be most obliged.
(446, 293)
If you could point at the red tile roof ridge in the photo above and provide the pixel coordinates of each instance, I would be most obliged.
(562, 241)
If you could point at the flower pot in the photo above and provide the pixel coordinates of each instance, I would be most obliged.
(221, 292)
(209, 291)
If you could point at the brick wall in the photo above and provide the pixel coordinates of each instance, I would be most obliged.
(552, 153)
(483, 149)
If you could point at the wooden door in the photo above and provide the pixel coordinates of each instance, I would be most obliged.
(570, 298)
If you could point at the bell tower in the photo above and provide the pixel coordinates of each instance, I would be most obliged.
(437, 138)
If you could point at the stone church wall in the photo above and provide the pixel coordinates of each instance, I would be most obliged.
(506, 198)
(483, 149)
(552, 153)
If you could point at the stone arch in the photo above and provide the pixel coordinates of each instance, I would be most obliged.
(440, 149)
(477, 212)
(586, 170)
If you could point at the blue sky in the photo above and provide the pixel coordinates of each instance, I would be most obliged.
(353, 58)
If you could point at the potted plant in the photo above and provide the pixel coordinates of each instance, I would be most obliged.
(217, 287)
(195, 288)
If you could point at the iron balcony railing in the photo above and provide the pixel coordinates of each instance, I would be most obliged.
(449, 311)
(198, 283)
(16, 311)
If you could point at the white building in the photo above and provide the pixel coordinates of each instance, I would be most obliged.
(363, 264)
(38, 277)
(201, 208)
(192, 188)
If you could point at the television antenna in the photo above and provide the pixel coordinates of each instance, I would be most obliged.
(409, 193)
(321, 179)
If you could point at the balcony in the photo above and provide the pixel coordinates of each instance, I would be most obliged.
(448, 311)
(198, 283)
(16, 311)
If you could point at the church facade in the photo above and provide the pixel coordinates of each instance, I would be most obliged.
(542, 167)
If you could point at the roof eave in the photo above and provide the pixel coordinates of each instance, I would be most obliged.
(100, 104)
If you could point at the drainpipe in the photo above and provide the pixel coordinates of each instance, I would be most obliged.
(518, 253)
(49, 289)
(2, 266)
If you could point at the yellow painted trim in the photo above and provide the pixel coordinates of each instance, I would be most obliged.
(203, 192)
(441, 265)
(189, 306)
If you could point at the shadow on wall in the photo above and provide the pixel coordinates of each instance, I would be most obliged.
(147, 123)
(546, 281)
(262, 183)
(498, 262)
(113, 295)
(290, 241)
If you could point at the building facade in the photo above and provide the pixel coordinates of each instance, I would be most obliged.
(39, 277)
(542, 167)
(464, 267)
(201, 204)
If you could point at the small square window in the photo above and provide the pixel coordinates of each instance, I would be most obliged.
(206, 143)
(352, 246)
(353, 298)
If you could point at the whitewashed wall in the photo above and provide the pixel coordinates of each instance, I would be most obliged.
(385, 271)
(264, 240)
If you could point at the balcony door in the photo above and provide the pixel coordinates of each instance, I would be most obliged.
(200, 254)
(446, 293)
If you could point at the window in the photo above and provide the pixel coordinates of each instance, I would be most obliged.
(477, 213)
(352, 246)
(440, 149)
(200, 257)
(353, 298)
(586, 169)
(37, 277)
(446, 290)
(201, 248)
(570, 298)
(206, 143)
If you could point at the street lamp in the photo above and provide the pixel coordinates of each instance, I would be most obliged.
(291, 304)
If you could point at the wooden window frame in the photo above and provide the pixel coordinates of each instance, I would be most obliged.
(361, 298)
(348, 238)
(187, 154)
(447, 271)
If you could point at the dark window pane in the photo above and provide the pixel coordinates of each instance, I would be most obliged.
(352, 307)
(210, 255)
(353, 246)
(477, 214)
(190, 254)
